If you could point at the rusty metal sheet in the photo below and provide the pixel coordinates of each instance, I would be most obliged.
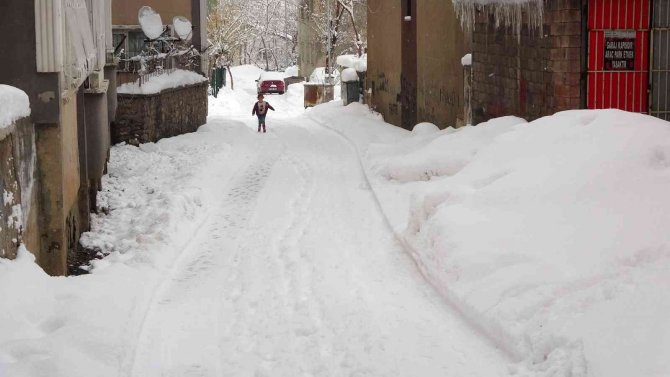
(660, 61)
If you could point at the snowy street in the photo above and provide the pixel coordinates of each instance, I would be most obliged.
(338, 245)
(458, 188)
(296, 273)
(235, 253)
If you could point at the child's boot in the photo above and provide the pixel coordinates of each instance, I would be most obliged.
(263, 128)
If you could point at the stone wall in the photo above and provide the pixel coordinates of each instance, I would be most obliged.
(534, 74)
(18, 211)
(149, 118)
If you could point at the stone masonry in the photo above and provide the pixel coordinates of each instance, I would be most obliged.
(534, 74)
(147, 118)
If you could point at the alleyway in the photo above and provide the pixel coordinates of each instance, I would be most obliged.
(296, 273)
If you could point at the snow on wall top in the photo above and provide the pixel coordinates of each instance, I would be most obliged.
(162, 82)
(14, 105)
(505, 12)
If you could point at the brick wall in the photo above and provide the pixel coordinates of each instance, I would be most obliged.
(533, 74)
(149, 118)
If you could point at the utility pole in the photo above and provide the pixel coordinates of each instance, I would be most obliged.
(329, 56)
(286, 36)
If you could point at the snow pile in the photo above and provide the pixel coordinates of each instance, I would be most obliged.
(349, 75)
(550, 236)
(425, 128)
(466, 60)
(155, 198)
(360, 64)
(14, 105)
(512, 13)
(157, 84)
(151, 22)
(292, 71)
(318, 76)
(145, 208)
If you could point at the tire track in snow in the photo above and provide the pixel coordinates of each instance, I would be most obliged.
(195, 269)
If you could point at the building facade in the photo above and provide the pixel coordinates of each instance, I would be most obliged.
(414, 62)
(61, 57)
(129, 40)
(593, 54)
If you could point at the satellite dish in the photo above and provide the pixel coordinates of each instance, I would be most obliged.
(183, 27)
(151, 22)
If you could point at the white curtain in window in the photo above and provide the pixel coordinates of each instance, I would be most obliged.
(82, 56)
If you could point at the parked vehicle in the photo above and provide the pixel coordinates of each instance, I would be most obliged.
(271, 82)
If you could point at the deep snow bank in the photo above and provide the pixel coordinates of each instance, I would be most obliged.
(88, 325)
(550, 236)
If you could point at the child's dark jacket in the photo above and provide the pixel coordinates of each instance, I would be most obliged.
(261, 109)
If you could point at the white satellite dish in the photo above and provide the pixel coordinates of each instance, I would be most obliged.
(151, 22)
(183, 27)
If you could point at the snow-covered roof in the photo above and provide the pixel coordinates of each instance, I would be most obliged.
(14, 105)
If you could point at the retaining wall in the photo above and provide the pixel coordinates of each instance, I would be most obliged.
(143, 118)
(18, 186)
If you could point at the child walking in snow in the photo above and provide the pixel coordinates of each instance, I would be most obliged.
(261, 109)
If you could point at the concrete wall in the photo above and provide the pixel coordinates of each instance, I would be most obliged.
(58, 119)
(19, 208)
(310, 45)
(384, 58)
(124, 12)
(18, 68)
(439, 45)
(149, 118)
(58, 162)
(532, 75)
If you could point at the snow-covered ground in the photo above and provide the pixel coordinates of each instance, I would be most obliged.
(337, 245)
(550, 236)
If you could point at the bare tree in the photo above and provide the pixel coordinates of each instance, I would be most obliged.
(261, 32)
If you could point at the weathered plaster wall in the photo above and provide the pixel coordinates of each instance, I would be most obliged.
(441, 44)
(19, 208)
(384, 58)
(149, 118)
(70, 152)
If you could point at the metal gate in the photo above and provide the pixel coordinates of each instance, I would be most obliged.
(618, 55)
(660, 61)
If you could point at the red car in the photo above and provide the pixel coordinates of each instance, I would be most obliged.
(271, 82)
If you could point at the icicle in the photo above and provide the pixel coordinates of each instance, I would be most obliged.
(507, 13)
